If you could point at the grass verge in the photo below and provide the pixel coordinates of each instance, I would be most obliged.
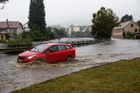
(119, 77)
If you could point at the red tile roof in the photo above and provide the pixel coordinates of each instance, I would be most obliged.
(10, 24)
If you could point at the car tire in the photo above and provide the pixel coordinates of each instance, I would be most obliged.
(69, 59)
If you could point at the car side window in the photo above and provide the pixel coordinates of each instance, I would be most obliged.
(67, 47)
(52, 49)
(61, 48)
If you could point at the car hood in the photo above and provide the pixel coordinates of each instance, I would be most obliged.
(27, 54)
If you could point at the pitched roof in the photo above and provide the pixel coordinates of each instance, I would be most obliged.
(123, 25)
(10, 24)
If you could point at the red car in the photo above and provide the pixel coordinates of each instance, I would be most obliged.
(51, 52)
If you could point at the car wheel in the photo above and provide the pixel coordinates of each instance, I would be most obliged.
(69, 59)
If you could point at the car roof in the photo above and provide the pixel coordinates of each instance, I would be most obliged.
(52, 44)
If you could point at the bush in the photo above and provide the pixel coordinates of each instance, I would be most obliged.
(2, 41)
(20, 42)
(128, 35)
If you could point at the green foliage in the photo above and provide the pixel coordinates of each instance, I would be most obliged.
(138, 22)
(128, 35)
(59, 33)
(50, 34)
(55, 33)
(36, 34)
(126, 18)
(103, 23)
(14, 34)
(3, 1)
(20, 42)
(37, 16)
(124, 36)
(2, 41)
(119, 77)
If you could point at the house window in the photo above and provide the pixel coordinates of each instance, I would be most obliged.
(136, 30)
(131, 25)
(2, 37)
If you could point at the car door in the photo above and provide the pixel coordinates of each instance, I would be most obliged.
(62, 52)
(52, 54)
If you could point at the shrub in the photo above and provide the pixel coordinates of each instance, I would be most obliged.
(128, 35)
(20, 42)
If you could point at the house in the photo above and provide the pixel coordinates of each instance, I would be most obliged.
(70, 29)
(74, 29)
(129, 26)
(26, 28)
(77, 29)
(4, 36)
(9, 28)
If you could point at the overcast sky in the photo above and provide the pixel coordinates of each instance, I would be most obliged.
(67, 12)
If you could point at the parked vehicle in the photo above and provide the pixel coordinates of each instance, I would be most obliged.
(51, 52)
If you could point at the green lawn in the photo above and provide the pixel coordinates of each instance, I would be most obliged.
(119, 77)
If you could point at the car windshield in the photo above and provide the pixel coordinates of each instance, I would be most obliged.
(40, 48)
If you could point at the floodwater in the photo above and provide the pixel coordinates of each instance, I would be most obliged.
(15, 76)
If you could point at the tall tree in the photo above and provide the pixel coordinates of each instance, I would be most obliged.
(103, 22)
(126, 18)
(138, 22)
(3, 1)
(37, 15)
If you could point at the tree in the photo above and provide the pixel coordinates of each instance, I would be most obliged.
(128, 35)
(126, 18)
(3, 1)
(50, 34)
(103, 23)
(35, 34)
(37, 15)
(138, 22)
(59, 32)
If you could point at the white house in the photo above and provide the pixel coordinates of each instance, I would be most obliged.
(8, 28)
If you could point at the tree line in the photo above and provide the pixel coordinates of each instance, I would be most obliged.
(3, 1)
(104, 20)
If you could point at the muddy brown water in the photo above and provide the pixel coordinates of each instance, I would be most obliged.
(16, 76)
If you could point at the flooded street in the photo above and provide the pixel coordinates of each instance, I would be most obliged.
(15, 76)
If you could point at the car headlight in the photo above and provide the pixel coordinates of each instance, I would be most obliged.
(30, 57)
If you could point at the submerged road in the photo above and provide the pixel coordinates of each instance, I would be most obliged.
(15, 76)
